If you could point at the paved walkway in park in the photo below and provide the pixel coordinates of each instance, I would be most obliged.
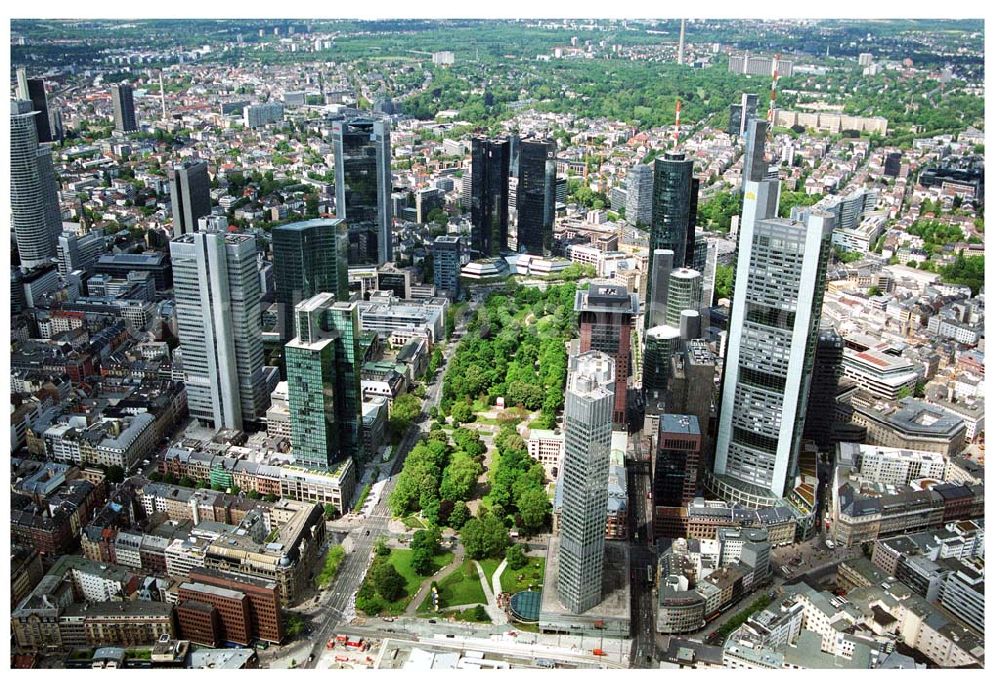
(497, 590)
(456, 562)
(496, 614)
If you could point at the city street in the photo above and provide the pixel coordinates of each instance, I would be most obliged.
(337, 604)
(643, 560)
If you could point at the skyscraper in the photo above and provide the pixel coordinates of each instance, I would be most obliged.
(362, 159)
(217, 296)
(311, 361)
(675, 208)
(317, 319)
(34, 202)
(190, 195)
(124, 108)
(33, 90)
(685, 294)
(490, 189)
(827, 369)
(590, 395)
(661, 265)
(606, 313)
(310, 257)
(639, 201)
(676, 467)
(536, 195)
(742, 113)
(447, 265)
(771, 344)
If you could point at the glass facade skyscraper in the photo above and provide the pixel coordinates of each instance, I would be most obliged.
(190, 196)
(310, 257)
(362, 160)
(217, 295)
(124, 108)
(34, 202)
(773, 328)
(675, 208)
(311, 362)
(447, 265)
(536, 195)
(605, 314)
(639, 199)
(490, 188)
(590, 396)
(324, 380)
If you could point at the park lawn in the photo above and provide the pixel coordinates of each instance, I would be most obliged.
(531, 575)
(413, 522)
(461, 587)
(400, 559)
(490, 566)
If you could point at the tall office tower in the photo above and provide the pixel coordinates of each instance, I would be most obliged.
(680, 44)
(34, 201)
(742, 113)
(677, 463)
(677, 320)
(561, 190)
(590, 396)
(310, 257)
(33, 90)
(661, 265)
(639, 200)
(56, 124)
(892, 164)
(124, 108)
(773, 328)
(217, 296)
(317, 319)
(699, 251)
(708, 276)
(448, 265)
(675, 207)
(79, 252)
(22, 84)
(190, 195)
(755, 168)
(685, 294)
(606, 314)
(311, 361)
(363, 163)
(490, 186)
(826, 372)
(536, 195)
(510, 238)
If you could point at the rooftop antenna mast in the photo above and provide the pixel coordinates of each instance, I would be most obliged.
(677, 123)
(771, 110)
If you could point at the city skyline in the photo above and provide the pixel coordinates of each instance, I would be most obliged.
(498, 343)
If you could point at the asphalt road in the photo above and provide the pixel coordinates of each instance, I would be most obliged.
(642, 559)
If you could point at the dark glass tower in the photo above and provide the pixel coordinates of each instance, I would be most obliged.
(310, 257)
(536, 195)
(40, 103)
(675, 209)
(823, 388)
(190, 195)
(124, 108)
(362, 155)
(490, 177)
